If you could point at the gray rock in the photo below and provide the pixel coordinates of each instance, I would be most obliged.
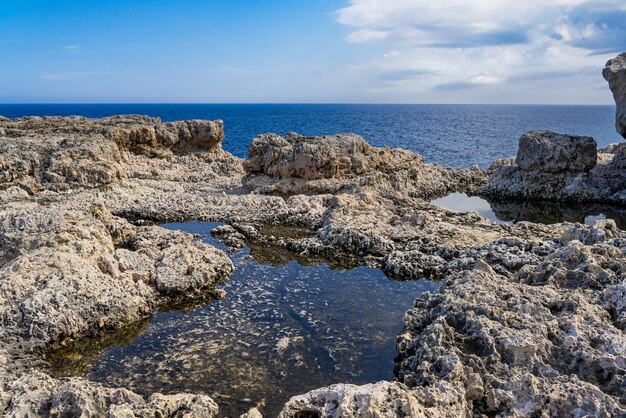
(615, 74)
(295, 164)
(550, 152)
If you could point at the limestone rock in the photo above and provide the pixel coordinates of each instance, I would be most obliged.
(555, 153)
(295, 164)
(615, 74)
(382, 399)
(554, 166)
(62, 153)
(37, 394)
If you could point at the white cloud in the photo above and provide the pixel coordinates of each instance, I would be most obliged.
(486, 44)
(367, 35)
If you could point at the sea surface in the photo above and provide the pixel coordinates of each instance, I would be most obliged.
(454, 135)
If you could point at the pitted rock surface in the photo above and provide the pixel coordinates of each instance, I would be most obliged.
(615, 73)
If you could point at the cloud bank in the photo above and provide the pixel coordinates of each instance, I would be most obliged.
(488, 47)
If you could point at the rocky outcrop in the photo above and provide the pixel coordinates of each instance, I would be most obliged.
(519, 328)
(39, 395)
(295, 164)
(63, 153)
(530, 318)
(552, 166)
(70, 269)
(615, 74)
(382, 399)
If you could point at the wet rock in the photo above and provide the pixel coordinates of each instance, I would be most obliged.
(615, 74)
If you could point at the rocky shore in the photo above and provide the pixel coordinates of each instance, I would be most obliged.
(530, 319)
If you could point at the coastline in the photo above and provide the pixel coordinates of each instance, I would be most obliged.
(530, 318)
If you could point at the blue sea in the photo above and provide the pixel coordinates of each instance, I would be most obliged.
(454, 135)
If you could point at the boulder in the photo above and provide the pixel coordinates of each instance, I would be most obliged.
(554, 153)
(295, 164)
(322, 157)
(615, 74)
(550, 166)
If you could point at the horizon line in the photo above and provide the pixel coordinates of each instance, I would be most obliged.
(297, 103)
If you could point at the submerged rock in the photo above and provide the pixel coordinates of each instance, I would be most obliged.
(615, 74)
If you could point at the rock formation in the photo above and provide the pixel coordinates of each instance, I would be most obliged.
(615, 74)
(519, 328)
(530, 318)
(295, 164)
(548, 166)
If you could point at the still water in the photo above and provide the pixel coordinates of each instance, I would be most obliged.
(287, 326)
(533, 211)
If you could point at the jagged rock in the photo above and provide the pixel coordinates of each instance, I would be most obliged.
(382, 399)
(296, 164)
(530, 318)
(37, 394)
(61, 153)
(492, 336)
(615, 74)
(70, 273)
(555, 153)
(552, 166)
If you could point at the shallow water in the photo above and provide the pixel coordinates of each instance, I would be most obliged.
(285, 327)
(533, 211)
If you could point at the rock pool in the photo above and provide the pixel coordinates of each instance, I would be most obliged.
(287, 325)
(544, 212)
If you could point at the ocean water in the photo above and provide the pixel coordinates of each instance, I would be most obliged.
(454, 135)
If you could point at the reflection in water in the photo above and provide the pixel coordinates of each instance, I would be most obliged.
(283, 329)
(544, 212)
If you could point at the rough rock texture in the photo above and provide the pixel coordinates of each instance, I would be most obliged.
(559, 167)
(296, 164)
(37, 394)
(520, 328)
(530, 319)
(70, 269)
(81, 152)
(382, 399)
(554, 153)
(552, 166)
(615, 74)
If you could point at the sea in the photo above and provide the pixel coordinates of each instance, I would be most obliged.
(453, 135)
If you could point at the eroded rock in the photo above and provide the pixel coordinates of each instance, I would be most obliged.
(615, 73)
(295, 164)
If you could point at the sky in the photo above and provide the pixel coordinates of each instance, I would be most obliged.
(309, 51)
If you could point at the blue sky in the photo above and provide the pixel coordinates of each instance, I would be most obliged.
(323, 51)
